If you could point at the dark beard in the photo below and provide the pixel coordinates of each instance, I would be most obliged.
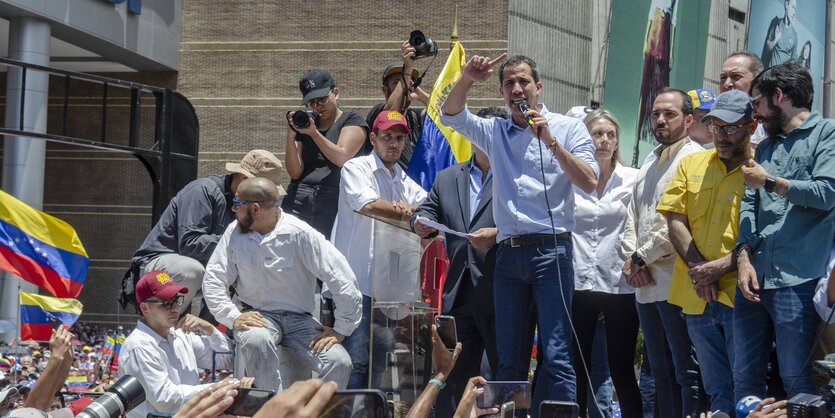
(775, 120)
(245, 224)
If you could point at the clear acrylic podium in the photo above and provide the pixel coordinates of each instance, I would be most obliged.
(401, 357)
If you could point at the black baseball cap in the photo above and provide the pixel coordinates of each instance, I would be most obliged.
(396, 67)
(314, 84)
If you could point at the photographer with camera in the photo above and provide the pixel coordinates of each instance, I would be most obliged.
(401, 85)
(319, 141)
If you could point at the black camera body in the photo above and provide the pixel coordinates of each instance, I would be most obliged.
(301, 119)
(424, 47)
(804, 405)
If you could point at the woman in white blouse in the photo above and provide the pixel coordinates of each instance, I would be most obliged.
(599, 285)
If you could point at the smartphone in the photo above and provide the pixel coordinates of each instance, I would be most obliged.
(56, 323)
(557, 409)
(447, 330)
(508, 410)
(363, 403)
(499, 393)
(249, 401)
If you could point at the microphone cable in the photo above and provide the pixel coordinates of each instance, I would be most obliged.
(523, 107)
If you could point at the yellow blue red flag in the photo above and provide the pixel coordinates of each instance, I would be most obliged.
(440, 146)
(41, 249)
(37, 312)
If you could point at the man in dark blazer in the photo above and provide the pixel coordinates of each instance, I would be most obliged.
(461, 199)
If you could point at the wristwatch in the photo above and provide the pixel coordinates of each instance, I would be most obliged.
(636, 259)
(770, 184)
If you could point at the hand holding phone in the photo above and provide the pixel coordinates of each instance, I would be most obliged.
(557, 409)
(249, 401)
(499, 393)
(447, 331)
(366, 403)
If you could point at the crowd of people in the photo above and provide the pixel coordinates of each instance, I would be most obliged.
(716, 250)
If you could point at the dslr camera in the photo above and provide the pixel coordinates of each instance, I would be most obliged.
(424, 47)
(301, 118)
(127, 393)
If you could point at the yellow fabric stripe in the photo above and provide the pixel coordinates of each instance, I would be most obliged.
(52, 304)
(39, 225)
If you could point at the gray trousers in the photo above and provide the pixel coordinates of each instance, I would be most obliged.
(184, 271)
(259, 351)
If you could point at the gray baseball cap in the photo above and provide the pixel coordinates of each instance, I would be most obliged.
(731, 106)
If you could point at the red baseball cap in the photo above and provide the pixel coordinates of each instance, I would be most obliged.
(386, 120)
(157, 284)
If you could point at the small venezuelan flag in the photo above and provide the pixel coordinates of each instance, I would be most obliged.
(36, 313)
(41, 249)
(109, 342)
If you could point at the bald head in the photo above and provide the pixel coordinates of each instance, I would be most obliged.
(259, 189)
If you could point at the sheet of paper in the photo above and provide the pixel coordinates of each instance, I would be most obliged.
(441, 227)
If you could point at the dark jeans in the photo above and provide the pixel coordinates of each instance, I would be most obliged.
(525, 276)
(676, 384)
(621, 321)
(316, 205)
(477, 334)
(712, 334)
(791, 312)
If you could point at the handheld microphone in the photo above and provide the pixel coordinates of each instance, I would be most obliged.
(524, 107)
(746, 405)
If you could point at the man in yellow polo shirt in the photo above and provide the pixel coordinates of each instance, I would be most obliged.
(701, 205)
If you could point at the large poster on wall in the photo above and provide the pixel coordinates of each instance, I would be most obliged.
(786, 30)
(653, 44)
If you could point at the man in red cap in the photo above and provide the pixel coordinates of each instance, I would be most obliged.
(373, 184)
(162, 352)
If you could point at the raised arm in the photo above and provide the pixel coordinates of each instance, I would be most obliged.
(478, 68)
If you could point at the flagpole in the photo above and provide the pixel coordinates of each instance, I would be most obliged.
(454, 37)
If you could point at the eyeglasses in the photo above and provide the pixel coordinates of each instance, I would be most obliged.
(727, 129)
(756, 100)
(236, 202)
(170, 303)
(320, 101)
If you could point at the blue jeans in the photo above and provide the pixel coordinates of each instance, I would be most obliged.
(358, 345)
(525, 275)
(676, 384)
(601, 380)
(792, 313)
(712, 334)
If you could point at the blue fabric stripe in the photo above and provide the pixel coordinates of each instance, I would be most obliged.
(66, 264)
(32, 314)
(431, 155)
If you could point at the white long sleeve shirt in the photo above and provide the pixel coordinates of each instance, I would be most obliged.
(278, 271)
(598, 230)
(364, 180)
(168, 368)
(645, 231)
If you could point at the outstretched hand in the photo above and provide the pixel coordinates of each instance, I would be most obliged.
(480, 68)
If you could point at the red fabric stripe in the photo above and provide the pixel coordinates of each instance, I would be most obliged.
(37, 332)
(35, 273)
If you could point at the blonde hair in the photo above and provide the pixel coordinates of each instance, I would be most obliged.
(603, 114)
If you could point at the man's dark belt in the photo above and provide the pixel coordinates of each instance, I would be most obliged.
(533, 239)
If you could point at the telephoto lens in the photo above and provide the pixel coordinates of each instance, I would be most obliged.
(301, 118)
(123, 396)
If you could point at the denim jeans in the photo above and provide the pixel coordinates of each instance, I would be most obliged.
(712, 334)
(358, 346)
(295, 331)
(529, 275)
(792, 313)
(601, 380)
(676, 384)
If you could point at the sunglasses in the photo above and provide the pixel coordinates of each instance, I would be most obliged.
(236, 202)
(320, 101)
(727, 129)
(170, 303)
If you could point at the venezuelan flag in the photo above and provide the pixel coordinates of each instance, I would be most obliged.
(439, 146)
(109, 342)
(36, 313)
(114, 361)
(77, 383)
(41, 249)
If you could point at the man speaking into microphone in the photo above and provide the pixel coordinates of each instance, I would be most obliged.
(537, 157)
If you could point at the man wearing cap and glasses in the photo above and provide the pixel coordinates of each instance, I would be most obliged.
(398, 78)
(186, 234)
(701, 204)
(163, 352)
(315, 154)
(273, 259)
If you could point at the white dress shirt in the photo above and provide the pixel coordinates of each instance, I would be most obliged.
(278, 271)
(645, 231)
(168, 368)
(364, 180)
(598, 230)
(821, 297)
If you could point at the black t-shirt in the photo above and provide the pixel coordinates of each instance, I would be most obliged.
(318, 170)
(415, 123)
